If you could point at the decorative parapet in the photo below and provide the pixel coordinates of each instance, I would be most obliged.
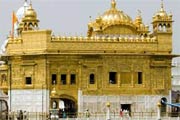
(126, 39)
(14, 40)
(155, 63)
(163, 19)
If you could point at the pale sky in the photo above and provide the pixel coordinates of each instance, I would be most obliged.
(70, 17)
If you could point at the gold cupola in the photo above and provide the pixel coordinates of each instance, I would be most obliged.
(29, 21)
(109, 19)
(30, 13)
(140, 26)
(138, 20)
(161, 15)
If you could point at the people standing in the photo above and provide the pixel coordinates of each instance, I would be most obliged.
(87, 114)
(64, 114)
(121, 114)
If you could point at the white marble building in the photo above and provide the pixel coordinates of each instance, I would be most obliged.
(176, 74)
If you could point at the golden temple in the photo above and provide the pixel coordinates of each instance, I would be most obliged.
(120, 60)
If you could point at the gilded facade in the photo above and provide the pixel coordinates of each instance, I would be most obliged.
(120, 61)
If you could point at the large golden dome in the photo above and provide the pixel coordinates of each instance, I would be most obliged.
(115, 16)
(112, 21)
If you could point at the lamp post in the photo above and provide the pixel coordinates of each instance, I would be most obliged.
(159, 111)
(108, 111)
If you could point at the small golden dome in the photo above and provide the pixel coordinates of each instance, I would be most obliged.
(138, 19)
(53, 92)
(162, 13)
(30, 12)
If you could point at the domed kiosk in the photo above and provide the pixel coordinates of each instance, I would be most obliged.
(29, 20)
(162, 22)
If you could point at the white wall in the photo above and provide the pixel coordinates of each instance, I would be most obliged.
(139, 103)
(29, 100)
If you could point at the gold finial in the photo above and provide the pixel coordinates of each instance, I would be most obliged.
(25, 1)
(162, 5)
(113, 4)
(170, 13)
(90, 18)
(139, 12)
(138, 19)
(30, 2)
(25, 5)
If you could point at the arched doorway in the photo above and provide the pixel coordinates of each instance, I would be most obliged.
(70, 107)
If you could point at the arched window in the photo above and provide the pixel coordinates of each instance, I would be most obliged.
(54, 105)
(160, 27)
(30, 26)
(35, 25)
(91, 79)
(168, 27)
(145, 35)
(164, 28)
(25, 26)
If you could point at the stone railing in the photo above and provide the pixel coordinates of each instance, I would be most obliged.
(106, 39)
